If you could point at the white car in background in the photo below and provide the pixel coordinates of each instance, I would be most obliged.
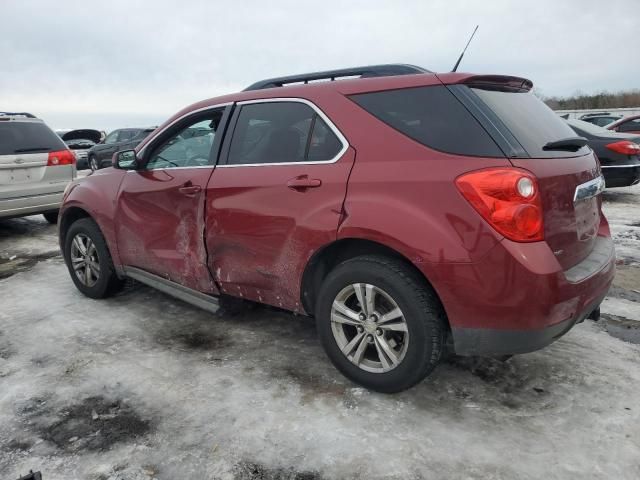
(35, 167)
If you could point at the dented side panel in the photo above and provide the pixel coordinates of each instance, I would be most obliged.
(261, 233)
(161, 230)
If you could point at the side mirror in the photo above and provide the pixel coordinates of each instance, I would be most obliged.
(125, 160)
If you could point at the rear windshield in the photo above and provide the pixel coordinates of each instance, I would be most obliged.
(28, 137)
(530, 121)
(432, 116)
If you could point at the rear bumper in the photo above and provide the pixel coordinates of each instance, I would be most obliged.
(23, 206)
(518, 299)
(492, 342)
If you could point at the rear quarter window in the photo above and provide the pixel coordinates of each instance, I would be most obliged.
(28, 137)
(432, 116)
(530, 121)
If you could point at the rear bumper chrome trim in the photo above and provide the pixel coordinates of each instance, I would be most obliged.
(589, 189)
(635, 165)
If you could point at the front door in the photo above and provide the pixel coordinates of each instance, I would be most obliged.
(160, 214)
(275, 198)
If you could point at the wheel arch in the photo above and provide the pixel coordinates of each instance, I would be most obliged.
(325, 259)
(69, 216)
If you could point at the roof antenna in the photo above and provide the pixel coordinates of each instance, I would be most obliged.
(465, 49)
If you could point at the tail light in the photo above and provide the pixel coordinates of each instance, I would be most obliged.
(507, 198)
(625, 147)
(61, 157)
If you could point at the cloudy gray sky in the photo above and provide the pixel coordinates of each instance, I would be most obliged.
(114, 63)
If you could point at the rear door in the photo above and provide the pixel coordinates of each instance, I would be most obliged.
(24, 151)
(160, 208)
(571, 222)
(275, 199)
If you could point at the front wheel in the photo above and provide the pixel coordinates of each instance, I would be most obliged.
(93, 163)
(380, 323)
(89, 261)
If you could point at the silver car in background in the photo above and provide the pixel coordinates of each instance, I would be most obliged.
(35, 167)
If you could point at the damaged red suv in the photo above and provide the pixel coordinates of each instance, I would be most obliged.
(409, 212)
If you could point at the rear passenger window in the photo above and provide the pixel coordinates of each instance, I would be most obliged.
(431, 116)
(281, 132)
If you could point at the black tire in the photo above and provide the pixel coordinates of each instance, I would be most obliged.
(93, 163)
(107, 282)
(422, 312)
(51, 217)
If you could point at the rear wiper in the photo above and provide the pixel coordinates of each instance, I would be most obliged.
(32, 149)
(570, 144)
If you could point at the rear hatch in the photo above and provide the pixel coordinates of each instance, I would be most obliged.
(24, 152)
(538, 140)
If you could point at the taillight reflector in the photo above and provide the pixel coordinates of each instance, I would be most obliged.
(507, 198)
(61, 157)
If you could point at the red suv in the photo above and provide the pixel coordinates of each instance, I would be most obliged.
(409, 212)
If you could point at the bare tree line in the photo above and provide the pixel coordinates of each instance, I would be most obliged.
(580, 101)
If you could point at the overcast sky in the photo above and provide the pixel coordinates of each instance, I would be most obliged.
(115, 63)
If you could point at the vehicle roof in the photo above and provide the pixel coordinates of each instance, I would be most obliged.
(623, 120)
(20, 119)
(349, 86)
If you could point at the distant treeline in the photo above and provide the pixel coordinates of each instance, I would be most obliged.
(580, 101)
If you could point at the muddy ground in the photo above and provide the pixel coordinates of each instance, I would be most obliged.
(142, 386)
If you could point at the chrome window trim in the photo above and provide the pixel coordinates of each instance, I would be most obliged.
(634, 165)
(319, 112)
(181, 117)
(589, 189)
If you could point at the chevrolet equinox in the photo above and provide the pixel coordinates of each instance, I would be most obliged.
(411, 213)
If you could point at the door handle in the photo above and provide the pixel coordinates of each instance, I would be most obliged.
(303, 182)
(190, 190)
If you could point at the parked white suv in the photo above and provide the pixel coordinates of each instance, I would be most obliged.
(35, 167)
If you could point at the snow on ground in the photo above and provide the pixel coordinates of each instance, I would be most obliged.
(142, 386)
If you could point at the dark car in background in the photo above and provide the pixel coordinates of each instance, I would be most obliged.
(600, 119)
(626, 125)
(79, 142)
(99, 156)
(619, 153)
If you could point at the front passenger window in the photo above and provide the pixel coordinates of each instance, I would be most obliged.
(189, 147)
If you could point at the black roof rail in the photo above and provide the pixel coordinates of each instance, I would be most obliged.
(18, 114)
(362, 72)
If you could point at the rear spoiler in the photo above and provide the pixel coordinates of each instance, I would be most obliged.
(500, 82)
(503, 83)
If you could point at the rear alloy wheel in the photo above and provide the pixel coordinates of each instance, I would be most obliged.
(369, 328)
(380, 323)
(93, 163)
(89, 261)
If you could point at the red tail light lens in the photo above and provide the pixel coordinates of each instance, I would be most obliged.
(507, 198)
(625, 147)
(61, 157)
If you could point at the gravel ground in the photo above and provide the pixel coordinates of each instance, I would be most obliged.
(142, 386)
